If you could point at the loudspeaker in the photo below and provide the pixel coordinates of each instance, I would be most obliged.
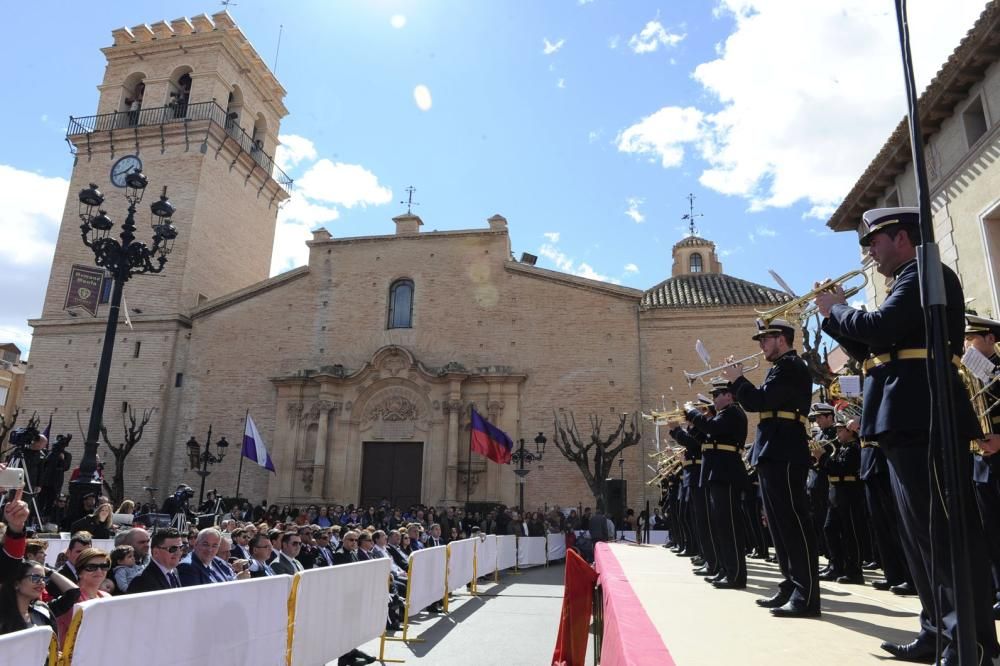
(617, 500)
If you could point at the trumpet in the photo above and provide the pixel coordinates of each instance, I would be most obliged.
(800, 304)
(705, 376)
(673, 415)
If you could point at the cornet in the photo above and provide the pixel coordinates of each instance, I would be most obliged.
(706, 375)
(801, 304)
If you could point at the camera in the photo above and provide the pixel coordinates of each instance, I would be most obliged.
(23, 437)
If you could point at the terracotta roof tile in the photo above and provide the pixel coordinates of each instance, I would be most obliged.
(710, 290)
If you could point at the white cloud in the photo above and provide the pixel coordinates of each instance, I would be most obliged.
(652, 36)
(548, 48)
(561, 83)
(584, 2)
(801, 122)
(633, 209)
(613, 41)
(397, 21)
(553, 236)
(766, 231)
(631, 268)
(422, 97)
(320, 193)
(293, 149)
(566, 264)
(33, 209)
(593, 135)
(664, 134)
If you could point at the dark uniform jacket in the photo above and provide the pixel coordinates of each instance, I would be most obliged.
(691, 441)
(843, 467)
(816, 482)
(897, 393)
(983, 467)
(786, 388)
(728, 427)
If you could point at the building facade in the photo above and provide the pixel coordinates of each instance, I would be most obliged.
(361, 367)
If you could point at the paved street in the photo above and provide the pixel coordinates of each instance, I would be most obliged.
(512, 623)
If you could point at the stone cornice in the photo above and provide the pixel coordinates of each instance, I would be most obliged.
(574, 281)
(248, 292)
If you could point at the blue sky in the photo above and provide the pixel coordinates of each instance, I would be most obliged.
(585, 123)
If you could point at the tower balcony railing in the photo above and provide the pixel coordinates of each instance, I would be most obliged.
(178, 114)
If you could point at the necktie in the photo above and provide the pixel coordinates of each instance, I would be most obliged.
(174, 580)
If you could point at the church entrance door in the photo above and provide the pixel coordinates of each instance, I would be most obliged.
(391, 470)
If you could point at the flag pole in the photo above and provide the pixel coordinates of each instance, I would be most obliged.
(239, 474)
(468, 474)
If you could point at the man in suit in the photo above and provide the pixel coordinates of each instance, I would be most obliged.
(286, 563)
(324, 553)
(399, 558)
(241, 541)
(348, 551)
(260, 553)
(78, 543)
(202, 566)
(598, 525)
(723, 475)
(434, 536)
(781, 456)
(161, 573)
(891, 344)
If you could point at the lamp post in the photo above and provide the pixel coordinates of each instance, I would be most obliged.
(522, 456)
(200, 460)
(121, 258)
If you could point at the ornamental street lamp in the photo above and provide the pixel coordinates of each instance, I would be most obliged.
(522, 456)
(121, 258)
(200, 460)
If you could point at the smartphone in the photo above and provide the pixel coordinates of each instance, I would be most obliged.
(11, 478)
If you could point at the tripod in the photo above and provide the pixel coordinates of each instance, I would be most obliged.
(620, 536)
(16, 461)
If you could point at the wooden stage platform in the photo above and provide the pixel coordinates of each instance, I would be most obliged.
(657, 612)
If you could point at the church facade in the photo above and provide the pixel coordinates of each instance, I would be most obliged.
(361, 367)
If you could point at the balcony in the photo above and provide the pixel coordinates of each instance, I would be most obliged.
(179, 115)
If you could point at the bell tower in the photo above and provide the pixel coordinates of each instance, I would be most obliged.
(193, 104)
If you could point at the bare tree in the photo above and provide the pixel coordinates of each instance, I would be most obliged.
(595, 457)
(6, 427)
(817, 362)
(133, 430)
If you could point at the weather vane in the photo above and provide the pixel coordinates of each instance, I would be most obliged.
(410, 203)
(691, 215)
(227, 3)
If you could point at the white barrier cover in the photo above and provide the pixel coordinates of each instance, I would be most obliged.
(556, 547)
(427, 570)
(530, 551)
(337, 609)
(506, 551)
(657, 537)
(243, 622)
(460, 567)
(57, 546)
(486, 555)
(30, 646)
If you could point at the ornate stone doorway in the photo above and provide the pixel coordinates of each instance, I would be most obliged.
(392, 471)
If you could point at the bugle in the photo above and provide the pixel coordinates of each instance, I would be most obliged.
(800, 307)
(706, 375)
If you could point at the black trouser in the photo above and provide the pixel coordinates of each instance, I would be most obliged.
(727, 530)
(699, 508)
(845, 520)
(819, 506)
(683, 522)
(923, 527)
(882, 509)
(783, 487)
(751, 517)
(988, 500)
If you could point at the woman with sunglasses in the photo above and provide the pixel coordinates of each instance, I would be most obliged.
(92, 566)
(21, 606)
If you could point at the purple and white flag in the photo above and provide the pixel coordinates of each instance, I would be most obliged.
(253, 446)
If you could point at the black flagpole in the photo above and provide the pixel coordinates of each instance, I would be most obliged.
(239, 474)
(468, 473)
(944, 435)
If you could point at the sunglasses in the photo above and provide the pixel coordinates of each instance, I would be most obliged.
(294, 543)
(170, 549)
(95, 567)
(37, 578)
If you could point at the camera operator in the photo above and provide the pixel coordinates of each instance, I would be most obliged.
(57, 463)
(178, 502)
(29, 445)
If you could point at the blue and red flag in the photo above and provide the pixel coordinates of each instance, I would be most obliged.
(489, 440)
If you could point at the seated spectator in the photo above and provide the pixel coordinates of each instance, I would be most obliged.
(203, 565)
(348, 551)
(35, 550)
(92, 565)
(78, 543)
(123, 567)
(21, 591)
(138, 538)
(365, 546)
(260, 553)
(307, 553)
(161, 572)
(434, 536)
(335, 531)
(393, 547)
(405, 543)
(241, 544)
(99, 523)
(127, 507)
(286, 563)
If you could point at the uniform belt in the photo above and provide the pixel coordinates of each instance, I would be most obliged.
(720, 447)
(868, 445)
(995, 420)
(692, 462)
(787, 416)
(842, 479)
(901, 355)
